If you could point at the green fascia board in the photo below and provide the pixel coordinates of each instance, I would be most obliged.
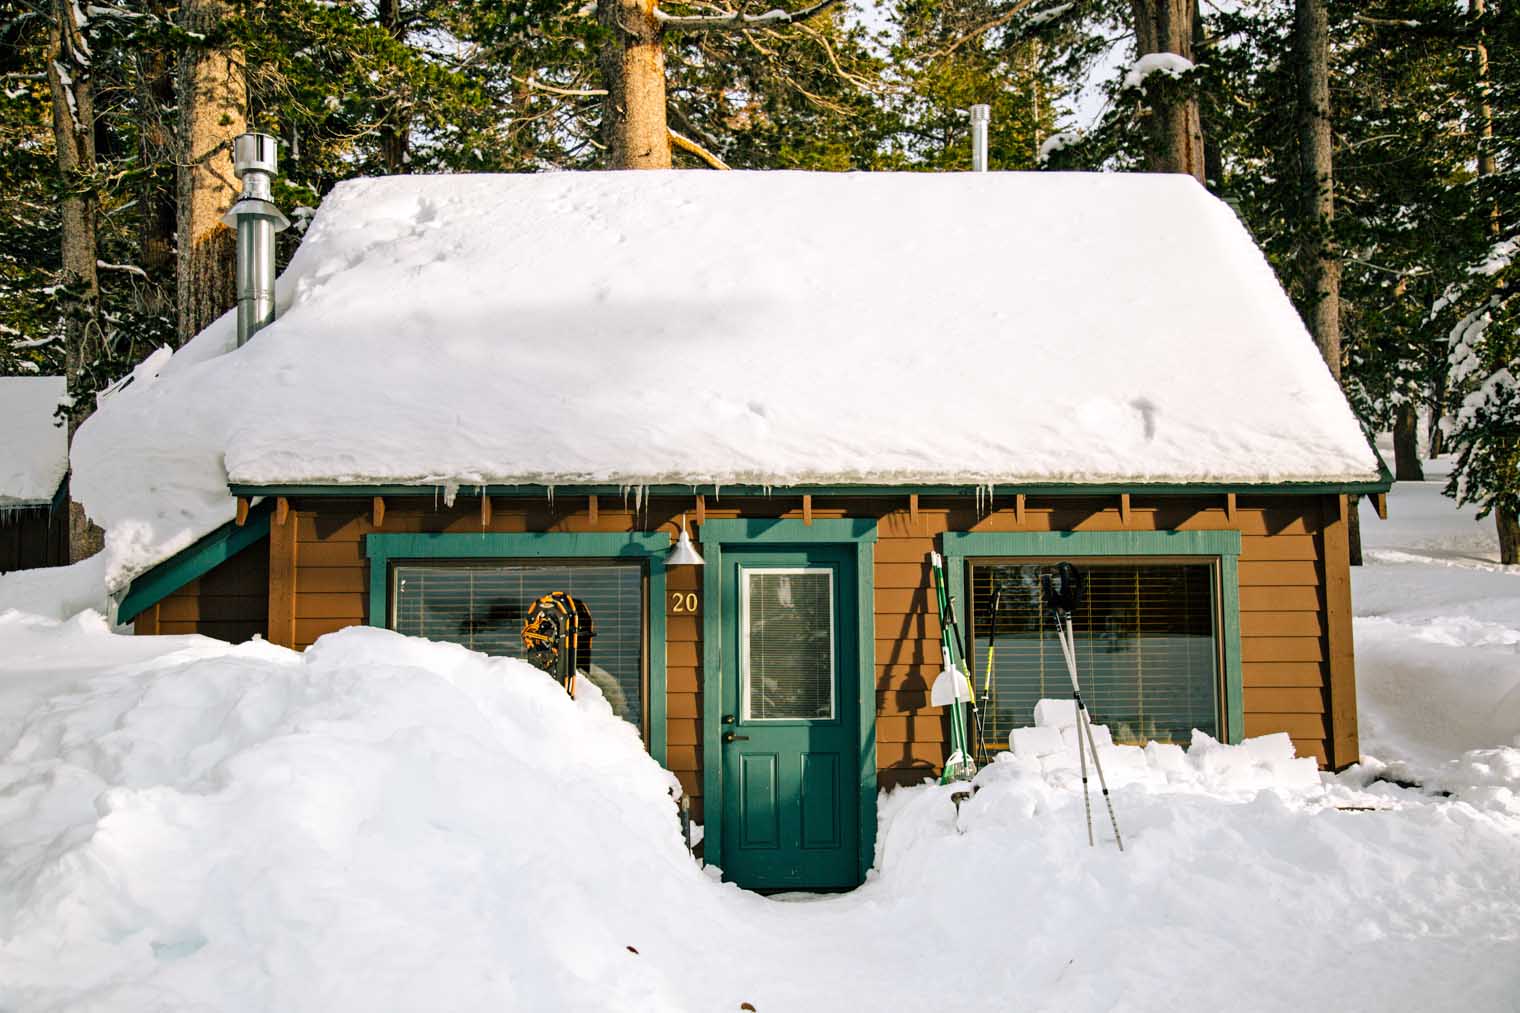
(650, 549)
(148, 589)
(766, 530)
(1221, 545)
(1381, 484)
(741, 534)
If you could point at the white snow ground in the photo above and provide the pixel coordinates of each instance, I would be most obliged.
(386, 824)
(1437, 631)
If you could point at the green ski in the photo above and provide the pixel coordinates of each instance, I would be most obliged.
(952, 688)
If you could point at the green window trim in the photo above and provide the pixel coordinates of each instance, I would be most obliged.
(192, 563)
(714, 535)
(1224, 546)
(644, 547)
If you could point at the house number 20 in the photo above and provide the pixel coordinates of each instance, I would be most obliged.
(683, 601)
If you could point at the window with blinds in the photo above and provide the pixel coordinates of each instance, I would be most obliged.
(1146, 644)
(788, 644)
(482, 607)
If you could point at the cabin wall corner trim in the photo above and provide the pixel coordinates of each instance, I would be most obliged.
(647, 548)
(1222, 545)
(714, 535)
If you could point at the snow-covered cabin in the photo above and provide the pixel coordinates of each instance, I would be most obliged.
(480, 389)
(34, 460)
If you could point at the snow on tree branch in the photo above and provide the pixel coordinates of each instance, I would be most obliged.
(738, 20)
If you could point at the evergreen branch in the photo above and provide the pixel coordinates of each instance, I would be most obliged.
(537, 85)
(691, 147)
(739, 20)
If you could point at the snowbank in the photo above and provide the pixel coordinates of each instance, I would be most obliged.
(34, 444)
(773, 328)
(1437, 637)
(378, 824)
(386, 823)
(1049, 749)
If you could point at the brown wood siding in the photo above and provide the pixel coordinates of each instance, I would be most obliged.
(1286, 631)
(230, 602)
(31, 537)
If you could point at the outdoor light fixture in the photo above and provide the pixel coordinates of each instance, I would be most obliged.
(683, 553)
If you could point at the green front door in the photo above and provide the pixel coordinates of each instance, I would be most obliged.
(790, 737)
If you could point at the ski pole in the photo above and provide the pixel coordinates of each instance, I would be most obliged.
(1084, 728)
(1076, 695)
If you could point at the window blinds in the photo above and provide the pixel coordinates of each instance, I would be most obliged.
(482, 607)
(1146, 646)
(788, 637)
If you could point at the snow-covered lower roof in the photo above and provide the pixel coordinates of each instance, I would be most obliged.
(34, 442)
(777, 328)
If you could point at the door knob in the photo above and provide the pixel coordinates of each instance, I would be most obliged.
(731, 737)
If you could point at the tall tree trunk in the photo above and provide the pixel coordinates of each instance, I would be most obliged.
(395, 132)
(1213, 158)
(69, 81)
(158, 221)
(1488, 164)
(1508, 523)
(1435, 436)
(1174, 134)
(1406, 444)
(1322, 272)
(633, 72)
(211, 108)
(1505, 520)
(1322, 269)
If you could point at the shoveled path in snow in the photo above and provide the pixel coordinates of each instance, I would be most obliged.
(1437, 631)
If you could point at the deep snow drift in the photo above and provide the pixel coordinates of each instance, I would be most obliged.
(385, 823)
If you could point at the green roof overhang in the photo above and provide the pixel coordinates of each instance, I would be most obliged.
(152, 587)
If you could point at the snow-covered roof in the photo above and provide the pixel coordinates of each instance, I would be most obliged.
(34, 443)
(775, 328)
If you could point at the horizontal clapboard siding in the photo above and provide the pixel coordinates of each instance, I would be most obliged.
(1282, 597)
(229, 602)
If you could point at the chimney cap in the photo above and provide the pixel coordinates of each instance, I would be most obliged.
(253, 152)
(981, 113)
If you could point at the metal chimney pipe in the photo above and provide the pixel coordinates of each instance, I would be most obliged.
(981, 115)
(255, 159)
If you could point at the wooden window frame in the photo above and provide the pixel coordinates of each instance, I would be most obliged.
(545, 548)
(1223, 547)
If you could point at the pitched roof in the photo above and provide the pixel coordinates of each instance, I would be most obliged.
(34, 443)
(764, 328)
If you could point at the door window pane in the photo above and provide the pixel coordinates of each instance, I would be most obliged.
(482, 607)
(1146, 645)
(788, 643)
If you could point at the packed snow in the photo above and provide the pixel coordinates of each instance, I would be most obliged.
(1437, 633)
(34, 444)
(387, 823)
(645, 328)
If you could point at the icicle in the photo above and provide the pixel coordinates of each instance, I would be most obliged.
(549, 490)
(450, 492)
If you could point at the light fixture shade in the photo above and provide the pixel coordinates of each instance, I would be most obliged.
(683, 553)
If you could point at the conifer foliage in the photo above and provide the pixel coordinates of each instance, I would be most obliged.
(105, 142)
